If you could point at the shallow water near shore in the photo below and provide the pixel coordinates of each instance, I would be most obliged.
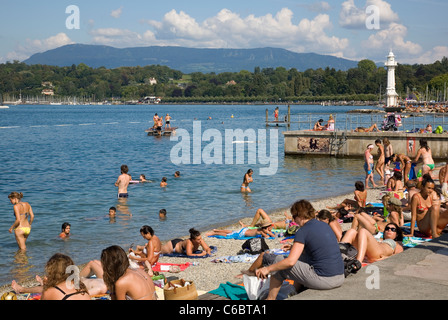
(65, 160)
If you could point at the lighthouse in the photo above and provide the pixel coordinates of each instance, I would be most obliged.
(392, 96)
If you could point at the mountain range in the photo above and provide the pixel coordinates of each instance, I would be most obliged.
(187, 60)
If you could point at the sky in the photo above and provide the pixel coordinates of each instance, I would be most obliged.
(415, 30)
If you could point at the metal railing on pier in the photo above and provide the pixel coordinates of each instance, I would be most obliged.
(410, 122)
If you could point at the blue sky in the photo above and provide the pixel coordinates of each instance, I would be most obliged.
(416, 30)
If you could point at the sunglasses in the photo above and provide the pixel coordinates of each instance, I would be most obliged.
(393, 229)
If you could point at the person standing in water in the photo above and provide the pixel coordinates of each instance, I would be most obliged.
(123, 182)
(246, 180)
(24, 219)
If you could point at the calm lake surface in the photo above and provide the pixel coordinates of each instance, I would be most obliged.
(66, 159)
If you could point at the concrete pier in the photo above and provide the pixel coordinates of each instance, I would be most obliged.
(353, 144)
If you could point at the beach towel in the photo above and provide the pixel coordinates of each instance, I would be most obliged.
(183, 255)
(165, 267)
(409, 242)
(240, 258)
(238, 237)
(231, 291)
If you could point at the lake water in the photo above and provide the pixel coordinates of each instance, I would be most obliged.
(65, 160)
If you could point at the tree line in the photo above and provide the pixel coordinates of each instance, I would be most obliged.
(366, 82)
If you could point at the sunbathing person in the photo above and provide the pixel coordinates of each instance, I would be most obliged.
(261, 214)
(149, 253)
(377, 223)
(187, 246)
(359, 201)
(318, 125)
(427, 211)
(327, 217)
(123, 282)
(95, 286)
(362, 129)
(264, 230)
(373, 249)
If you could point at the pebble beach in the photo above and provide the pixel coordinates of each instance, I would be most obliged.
(207, 274)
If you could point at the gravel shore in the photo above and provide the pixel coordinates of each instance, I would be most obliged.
(208, 275)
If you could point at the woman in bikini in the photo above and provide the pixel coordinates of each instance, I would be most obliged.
(426, 210)
(246, 180)
(60, 284)
(187, 246)
(261, 214)
(123, 282)
(24, 219)
(149, 253)
(265, 230)
(373, 249)
(426, 154)
(377, 223)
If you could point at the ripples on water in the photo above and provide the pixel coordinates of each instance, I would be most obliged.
(65, 160)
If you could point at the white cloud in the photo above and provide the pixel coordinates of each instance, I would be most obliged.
(24, 51)
(116, 37)
(117, 13)
(321, 6)
(229, 29)
(392, 38)
(428, 57)
(353, 17)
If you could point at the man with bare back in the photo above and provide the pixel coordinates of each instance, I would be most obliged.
(123, 182)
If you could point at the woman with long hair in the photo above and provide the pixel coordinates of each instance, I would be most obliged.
(246, 180)
(188, 246)
(426, 154)
(375, 250)
(24, 219)
(60, 284)
(123, 282)
(426, 209)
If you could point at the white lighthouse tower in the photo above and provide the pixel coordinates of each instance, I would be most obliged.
(392, 96)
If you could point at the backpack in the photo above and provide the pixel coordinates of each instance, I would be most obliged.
(255, 246)
(349, 253)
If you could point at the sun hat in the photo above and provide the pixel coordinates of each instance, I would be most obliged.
(265, 224)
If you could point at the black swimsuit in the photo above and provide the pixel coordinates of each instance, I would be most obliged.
(68, 295)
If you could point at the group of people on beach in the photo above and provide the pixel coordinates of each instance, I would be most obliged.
(314, 260)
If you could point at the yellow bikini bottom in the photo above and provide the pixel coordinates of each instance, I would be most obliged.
(26, 230)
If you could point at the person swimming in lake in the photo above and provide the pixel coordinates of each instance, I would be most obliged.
(24, 219)
(65, 230)
(164, 182)
(247, 180)
(188, 246)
